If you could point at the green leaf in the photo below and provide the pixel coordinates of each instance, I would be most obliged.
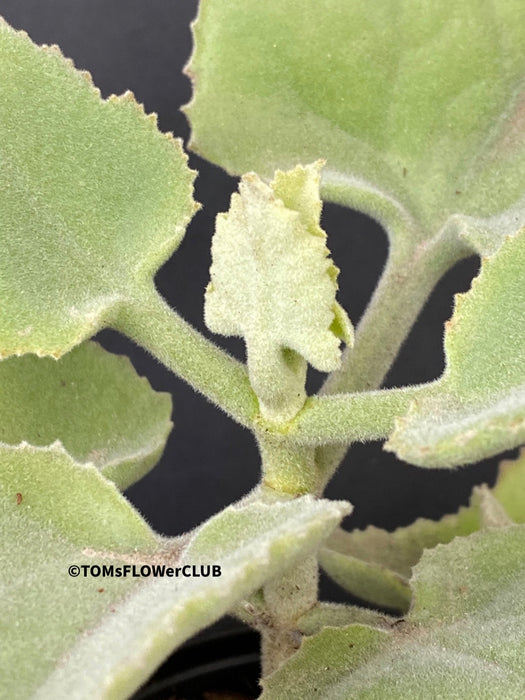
(101, 636)
(418, 109)
(370, 582)
(340, 615)
(93, 402)
(401, 549)
(93, 199)
(43, 486)
(510, 487)
(376, 565)
(251, 544)
(477, 408)
(463, 638)
(273, 284)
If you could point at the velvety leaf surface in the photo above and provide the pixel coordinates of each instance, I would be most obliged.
(510, 487)
(463, 638)
(101, 637)
(376, 565)
(93, 402)
(52, 510)
(477, 408)
(273, 283)
(340, 615)
(417, 108)
(371, 582)
(93, 199)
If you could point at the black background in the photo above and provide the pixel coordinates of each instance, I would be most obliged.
(210, 461)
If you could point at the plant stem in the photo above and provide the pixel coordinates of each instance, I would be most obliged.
(348, 417)
(153, 325)
(287, 598)
(288, 468)
(407, 281)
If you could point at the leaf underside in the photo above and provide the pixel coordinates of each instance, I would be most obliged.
(463, 638)
(102, 637)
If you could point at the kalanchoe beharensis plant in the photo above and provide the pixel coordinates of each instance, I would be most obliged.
(410, 112)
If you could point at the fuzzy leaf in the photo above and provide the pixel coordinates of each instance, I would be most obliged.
(273, 284)
(376, 565)
(93, 402)
(374, 583)
(510, 487)
(463, 638)
(417, 108)
(401, 549)
(340, 615)
(477, 408)
(93, 199)
(87, 637)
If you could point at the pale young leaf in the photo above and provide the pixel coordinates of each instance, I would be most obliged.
(418, 108)
(100, 636)
(273, 283)
(477, 408)
(93, 402)
(463, 638)
(93, 199)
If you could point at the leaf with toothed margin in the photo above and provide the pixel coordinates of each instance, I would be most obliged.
(375, 565)
(417, 108)
(273, 283)
(93, 199)
(102, 636)
(510, 487)
(464, 636)
(93, 402)
(477, 408)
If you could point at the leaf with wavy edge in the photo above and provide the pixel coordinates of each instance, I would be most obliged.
(100, 637)
(340, 615)
(273, 284)
(93, 402)
(376, 565)
(477, 408)
(93, 199)
(463, 638)
(510, 487)
(418, 109)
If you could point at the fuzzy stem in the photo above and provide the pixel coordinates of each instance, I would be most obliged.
(407, 281)
(405, 285)
(348, 417)
(153, 325)
(287, 599)
(288, 468)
